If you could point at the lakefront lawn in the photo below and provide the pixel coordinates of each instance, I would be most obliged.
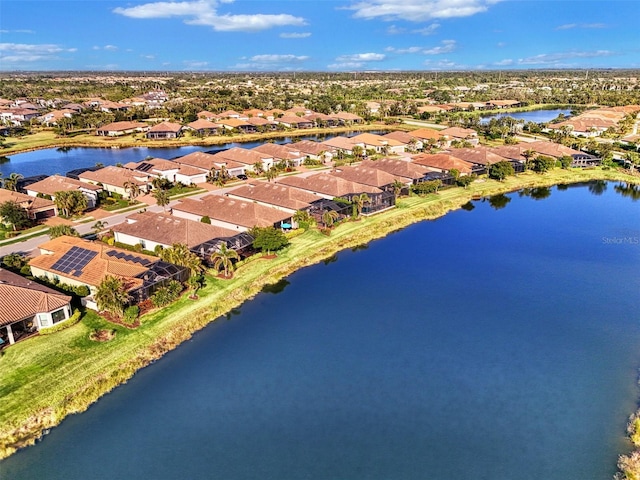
(48, 377)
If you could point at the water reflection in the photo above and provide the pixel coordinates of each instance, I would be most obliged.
(597, 187)
(629, 190)
(499, 201)
(537, 193)
(468, 206)
(277, 287)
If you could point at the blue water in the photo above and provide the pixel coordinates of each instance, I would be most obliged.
(52, 160)
(493, 344)
(536, 116)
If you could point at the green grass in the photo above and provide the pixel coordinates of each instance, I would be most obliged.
(48, 377)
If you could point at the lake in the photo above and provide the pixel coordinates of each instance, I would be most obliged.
(536, 116)
(53, 160)
(499, 342)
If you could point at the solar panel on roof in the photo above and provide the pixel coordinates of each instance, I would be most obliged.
(111, 253)
(144, 167)
(75, 259)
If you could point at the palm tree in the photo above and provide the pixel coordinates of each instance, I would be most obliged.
(132, 188)
(302, 217)
(223, 258)
(358, 152)
(60, 230)
(271, 173)
(112, 296)
(162, 197)
(330, 217)
(528, 156)
(359, 201)
(99, 226)
(179, 254)
(258, 167)
(11, 182)
(397, 186)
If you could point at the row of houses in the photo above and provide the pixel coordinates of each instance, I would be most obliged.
(593, 123)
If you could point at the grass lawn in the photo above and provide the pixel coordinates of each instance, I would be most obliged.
(48, 377)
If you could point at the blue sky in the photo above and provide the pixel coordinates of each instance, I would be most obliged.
(319, 35)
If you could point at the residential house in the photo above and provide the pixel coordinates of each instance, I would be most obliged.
(117, 129)
(37, 208)
(322, 120)
(50, 186)
(165, 131)
(281, 153)
(556, 150)
(443, 162)
(411, 143)
(313, 150)
(276, 195)
(206, 162)
(247, 157)
(404, 171)
(459, 134)
(293, 121)
(373, 177)
(27, 307)
(231, 213)
(262, 124)
(170, 170)
(204, 127)
(153, 230)
(379, 143)
(481, 157)
(55, 116)
(428, 136)
(113, 179)
(75, 261)
(236, 124)
(206, 115)
(346, 118)
(341, 144)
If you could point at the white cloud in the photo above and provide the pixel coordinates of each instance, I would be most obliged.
(569, 26)
(447, 46)
(504, 63)
(272, 62)
(111, 48)
(346, 66)
(278, 58)
(418, 10)
(22, 52)
(194, 65)
(295, 35)
(17, 31)
(405, 50)
(560, 57)
(148, 57)
(395, 30)
(429, 30)
(445, 64)
(361, 57)
(205, 12)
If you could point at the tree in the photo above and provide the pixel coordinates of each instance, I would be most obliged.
(397, 186)
(566, 161)
(302, 218)
(162, 197)
(330, 217)
(223, 258)
(99, 226)
(424, 188)
(466, 180)
(258, 168)
(543, 164)
(132, 188)
(60, 230)
(501, 170)
(11, 182)
(358, 152)
(632, 159)
(14, 261)
(11, 212)
(359, 202)
(70, 202)
(179, 254)
(271, 173)
(112, 296)
(268, 239)
(528, 155)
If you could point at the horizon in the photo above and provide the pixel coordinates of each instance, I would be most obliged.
(331, 36)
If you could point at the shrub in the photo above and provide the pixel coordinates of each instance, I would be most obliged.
(206, 220)
(131, 314)
(25, 270)
(81, 290)
(72, 320)
(167, 294)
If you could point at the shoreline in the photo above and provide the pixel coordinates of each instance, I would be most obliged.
(126, 141)
(163, 330)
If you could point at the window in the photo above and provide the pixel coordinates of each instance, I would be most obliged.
(43, 319)
(58, 315)
(143, 244)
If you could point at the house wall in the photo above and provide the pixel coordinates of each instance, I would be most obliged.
(38, 272)
(133, 240)
(214, 221)
(189, 179)
(45, 319)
